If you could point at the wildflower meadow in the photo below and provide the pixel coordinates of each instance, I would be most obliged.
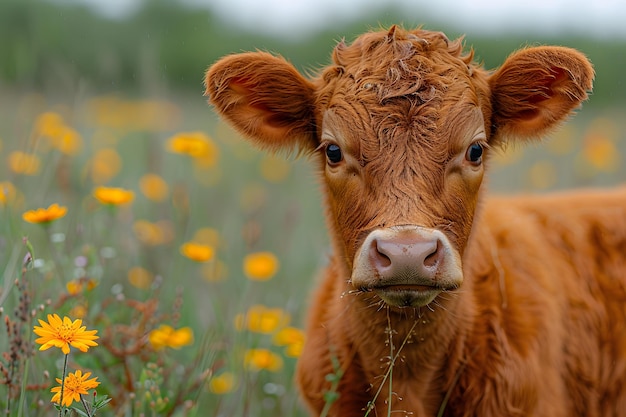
(155, 264)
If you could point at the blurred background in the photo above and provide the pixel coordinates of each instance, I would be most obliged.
(72, 50)
(109, 93)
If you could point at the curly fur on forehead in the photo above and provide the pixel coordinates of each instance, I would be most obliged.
(398, 63)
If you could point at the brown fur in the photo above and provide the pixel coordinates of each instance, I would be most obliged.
(536, 328)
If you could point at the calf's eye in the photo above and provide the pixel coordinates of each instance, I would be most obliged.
(474, 153)
(333, 153)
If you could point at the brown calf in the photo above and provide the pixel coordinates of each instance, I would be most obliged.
(437, 301)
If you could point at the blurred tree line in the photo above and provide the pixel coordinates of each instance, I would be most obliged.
(65, 47)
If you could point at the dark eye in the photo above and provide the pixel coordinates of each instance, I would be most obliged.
(474, 153)
(333, 153)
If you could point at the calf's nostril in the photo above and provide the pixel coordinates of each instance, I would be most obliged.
(432, 259)
(378, 258)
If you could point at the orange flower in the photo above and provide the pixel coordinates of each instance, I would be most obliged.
(24, 163)
(75, 385)
(258, 359)
(113, 196)
(68, 141)
(63, 333)
(260, 266)
(292, 338)
(197, 252)
(167, 336)
(42, 215)
(262, 319)
(223, 383)
(140, 277)
(49, 124)
(76, 286)
(195, 144)
(154, 187)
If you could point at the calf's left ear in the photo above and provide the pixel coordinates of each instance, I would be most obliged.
(536, 89)
(265, 98)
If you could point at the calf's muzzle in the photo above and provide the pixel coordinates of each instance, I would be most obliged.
(407, 266)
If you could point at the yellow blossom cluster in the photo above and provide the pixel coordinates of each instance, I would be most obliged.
(60, 135)
(167, 336)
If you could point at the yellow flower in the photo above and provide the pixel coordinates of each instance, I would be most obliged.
(258, 359)
(222, 384)
(289, 336)
(63, 333)
(140, 277)
(197, 252)
(154, 187)
(195, 144)
(167, 336)
(261, 319)
(113, 196)
(294, 350)
(24, 163)
(260, 266)
(292, 338)
(79, 310)
(68, 141)
(76, 286)
(43, 215)
(49, 124)
(76, 384)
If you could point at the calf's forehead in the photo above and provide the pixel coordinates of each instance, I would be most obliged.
(393, 86)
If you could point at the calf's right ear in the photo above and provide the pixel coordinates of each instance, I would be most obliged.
(537, 88)
(265, 98)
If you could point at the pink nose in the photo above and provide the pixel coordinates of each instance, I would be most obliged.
(406, 258)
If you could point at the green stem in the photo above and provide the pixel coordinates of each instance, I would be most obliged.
(20, 407)
(87, 409)
(61, 407)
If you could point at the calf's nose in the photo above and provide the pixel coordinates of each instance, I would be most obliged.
(406, 257)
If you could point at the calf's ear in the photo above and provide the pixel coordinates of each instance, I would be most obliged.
(537, 88)
(265, 98)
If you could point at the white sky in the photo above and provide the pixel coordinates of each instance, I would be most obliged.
(598, 18)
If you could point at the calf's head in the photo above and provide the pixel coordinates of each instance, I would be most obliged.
(401, 124)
